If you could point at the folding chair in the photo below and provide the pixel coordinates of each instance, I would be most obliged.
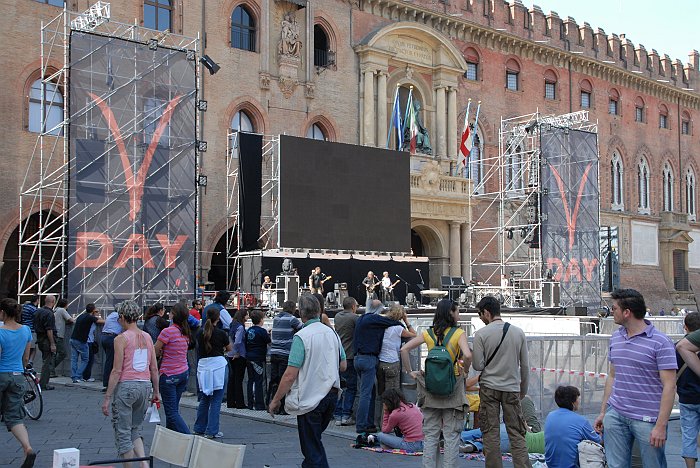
(168, 446)
(207, 453)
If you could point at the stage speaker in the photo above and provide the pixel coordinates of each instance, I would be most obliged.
(550, 294)
(293, 288)
(340, 295)
(410, 299)
(577, 311)
(280, 296)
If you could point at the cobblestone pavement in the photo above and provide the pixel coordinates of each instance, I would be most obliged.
(72, 418)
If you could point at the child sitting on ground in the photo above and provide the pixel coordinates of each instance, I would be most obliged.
(405, 417)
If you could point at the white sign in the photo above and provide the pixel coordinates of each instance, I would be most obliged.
(645, 243)
(694, 250)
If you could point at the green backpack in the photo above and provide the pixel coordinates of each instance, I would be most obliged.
(439, 367)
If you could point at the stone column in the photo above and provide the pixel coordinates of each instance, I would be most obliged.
(452, 123)
(466, 252)
(265, 37)
(368, 108)
(441, 113)
(381, 109)
(455, 244)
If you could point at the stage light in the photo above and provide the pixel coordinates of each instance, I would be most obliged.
(191, 55)
(202, 180)
(153, 44)
(209, 64)
(201, 146)
(509, 233)
(202, 105)
(523, 232)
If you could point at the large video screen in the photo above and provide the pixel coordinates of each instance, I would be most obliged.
(131, 229)
(346, 197)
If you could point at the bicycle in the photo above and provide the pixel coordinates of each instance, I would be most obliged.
(32, 399)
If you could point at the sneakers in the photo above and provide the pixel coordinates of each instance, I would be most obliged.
(77, 380)
(350, 421)
(218, 435)
(89, 380)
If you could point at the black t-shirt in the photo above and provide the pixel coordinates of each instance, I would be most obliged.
(44, 320)
(218, 340)
(81, 329)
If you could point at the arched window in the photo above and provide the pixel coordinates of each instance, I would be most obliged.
(668, 187)
(157, 14)
(241, 122)
(663, 116)
(51, 114)
(475, 169)
(321, 47)
(471, 56)
(614, 102)
(242, 29)
(690, 194)
(639, 109)
(316, 132)
(685, 123)
(550, 85)
(616, 185)
(512, 75)
(586, 94)
(515, 169)
(643, 177)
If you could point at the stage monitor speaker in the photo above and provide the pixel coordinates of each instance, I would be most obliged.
(293, 288)
(577, 311)
(281, 296)
(550, 294)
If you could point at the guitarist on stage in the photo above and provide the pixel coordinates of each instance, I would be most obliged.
(388, 287)
(370, 282)
(316, 280)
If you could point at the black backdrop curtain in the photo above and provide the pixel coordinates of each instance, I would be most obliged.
(249, 189)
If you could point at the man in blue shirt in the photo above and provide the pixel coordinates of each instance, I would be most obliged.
(28, 310)
(564, 429)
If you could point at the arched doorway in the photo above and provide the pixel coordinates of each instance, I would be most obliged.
(50, 257)
(427, 241)
(416, 244)
(222, 271)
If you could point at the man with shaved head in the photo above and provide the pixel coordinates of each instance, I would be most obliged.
(45, 327)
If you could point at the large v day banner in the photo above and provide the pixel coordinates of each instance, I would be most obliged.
(131, 229)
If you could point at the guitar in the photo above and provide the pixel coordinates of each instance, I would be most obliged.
(370, 287)
(391, 288)
(326, 279)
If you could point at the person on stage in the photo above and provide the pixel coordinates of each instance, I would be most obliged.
(266, 291)
(370, 282)
(316, 281)
(387, 288)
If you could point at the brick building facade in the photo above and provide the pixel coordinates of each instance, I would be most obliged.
(338, 79)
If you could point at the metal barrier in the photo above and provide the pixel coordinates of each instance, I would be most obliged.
(667, 325)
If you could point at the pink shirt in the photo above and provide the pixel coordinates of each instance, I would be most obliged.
(139, 347)
(174, 361)
(409, 419)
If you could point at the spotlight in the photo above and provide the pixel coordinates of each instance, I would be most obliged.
(201, 146)
(202, 180)
(153, 44)
(209, 64)
(202, 105)
(191, 56)
(523, 232)
(509, 233)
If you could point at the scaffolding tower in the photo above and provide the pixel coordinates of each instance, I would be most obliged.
(45, 256)
(269, 214)
(506, 225)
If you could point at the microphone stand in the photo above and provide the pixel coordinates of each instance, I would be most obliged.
(422, 281)
(406, 283)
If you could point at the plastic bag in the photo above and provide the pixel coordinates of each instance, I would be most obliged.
(152, 413)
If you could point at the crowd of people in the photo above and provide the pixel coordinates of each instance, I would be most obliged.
(318, 371)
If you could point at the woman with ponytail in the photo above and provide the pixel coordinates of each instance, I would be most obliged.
(171, 347)
(212, 342)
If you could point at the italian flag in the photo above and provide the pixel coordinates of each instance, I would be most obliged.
(412, 125)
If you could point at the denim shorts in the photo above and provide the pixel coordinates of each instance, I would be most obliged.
(12, 388)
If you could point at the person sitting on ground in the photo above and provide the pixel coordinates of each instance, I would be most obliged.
(15, 341)
(401, 415)
(564, 429)
(473, 441)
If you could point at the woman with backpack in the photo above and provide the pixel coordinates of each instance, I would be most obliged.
(441, 389)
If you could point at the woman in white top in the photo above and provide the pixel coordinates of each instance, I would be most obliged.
(389, 369)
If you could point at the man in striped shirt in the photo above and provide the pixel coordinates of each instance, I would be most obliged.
(640, 387)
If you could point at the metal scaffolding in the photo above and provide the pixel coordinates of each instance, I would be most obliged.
(45, 253)
(269, 213)
(506, 221)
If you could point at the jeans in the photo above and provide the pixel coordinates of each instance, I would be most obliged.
(256, 384)
(492, 401)
(278, 366)
(92, 351)
(474, 434)
(79, 354)
(310, 427)
(347, 400)
(619, 432)
(207, 421)
(234, 390)
(107, 342)
(171, 389)
(690, 424)
(395, 442)
(366, 367)
(450, 422)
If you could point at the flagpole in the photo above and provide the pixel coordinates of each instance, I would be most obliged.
(394, 108)
(476, 123)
